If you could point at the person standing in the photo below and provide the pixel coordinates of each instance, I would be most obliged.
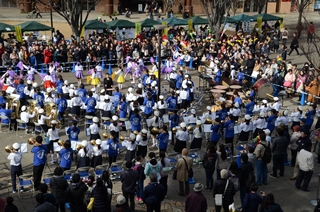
(59, 185)
(183, 166)
(270, 205)
(66, 155)
(252, 200)
(153, 194)
(196, 201)
(247, 175)
(261, 167)
(53, 134)
(39, 159)
(311, 30)
(305, 162)
(209, 165)
(101, 197)
(294, 44)
(279, 150)
(15, 158)
(75, 194)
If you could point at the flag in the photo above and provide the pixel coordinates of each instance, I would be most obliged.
(137, 29)
(259, 23)
(165, 30)
(164, 40)
(20, 65)
(103, 65)
(225, 28)
(18, 33)
(281, 23)
(82, 32)
(190, 25)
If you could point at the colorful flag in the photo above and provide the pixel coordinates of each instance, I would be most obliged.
(259, 23)
(165, 30)
(137, 29)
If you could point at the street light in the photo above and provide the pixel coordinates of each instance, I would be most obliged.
(159, 28)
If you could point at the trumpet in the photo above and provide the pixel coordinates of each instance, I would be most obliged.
(190, 129)
(105, 135)
(32, 141)
(174, 130)
(155, 130)
(8, 149)
(61, 142)
(121, 138)
(136, 132)
(80, 147)
(93, 142)
(208, 120)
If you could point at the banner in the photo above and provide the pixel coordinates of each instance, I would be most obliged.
(259, 23)
(190, 25)
(18, 33)
(165, 30)
(137, 29)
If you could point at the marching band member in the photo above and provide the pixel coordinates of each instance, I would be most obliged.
(15, 158)
(162, 106)
(62, 106)
(182, 137)
(252, 93)
(28, 89)
(184, 94)
(96, 154)
(216, 128)
(84, 154)
(82, 92)
(95, 129)
(39, 97)
(115, 126)
(134, 104)
(283, 118)
(42, 120)
(235, 111)
(154, 90)
(117, 96)
(39, 160)
(246, 127)
(95, 94)
(20, 91)
(7, 112)
(113, 148)
(276, 105)
(66, 155)
(148, 103)
(107, 107)
(79, 72)
(60, 84)
(130, 94)
(310, 114)
(229, 132)
(263, 108)
(135, 120)
(25, 117)
(91, 103)
(174, 122)
(71, 91)
(197, 136)
(123, 108)
(223, 113)
(156, 120)
(173, 76)
(185, 80)
(101, 95)
(130, 144)
(142, 142)
(296, 115)
(271, 120)
(48, 81)
(49, 97)
(259, 124)
(237, 99)
(66, 89)
(53, 134)
(179, 80)
(76, 104)
(249, 106)
(192, 119)
(163, 138)
(172, 102)
(179, 100)
(73, 132)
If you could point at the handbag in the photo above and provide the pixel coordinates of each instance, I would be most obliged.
(287, 84)
(90, 205)
(174, 175)
(219, 197)
(190, 171)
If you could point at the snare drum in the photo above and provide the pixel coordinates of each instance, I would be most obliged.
(263, 87)
(230, 96)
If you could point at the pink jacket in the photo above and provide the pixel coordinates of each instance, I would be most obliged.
(290, 77)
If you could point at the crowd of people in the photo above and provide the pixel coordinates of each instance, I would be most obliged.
(151, 114)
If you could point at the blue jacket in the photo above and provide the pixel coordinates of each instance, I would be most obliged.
(116, 98)
(2, 100)
(215, 136)
(91, 104)
(218, 76)
(179, 80)
(39, 155)
(4, 112)
(113, 147)
(238, 99)
(39, 98)
(310, 117)
(271, 122)
(135, 122)
(229, 125)
(66, 156)
(62, 104)
(33, 60)
(148, 103)
(249, 108)
(222, 114)
(174, 123)
(240, 77)
(73, 136)
(163, 139)
(123, 110)
(252, 202)
(82, 94)
(59, 84)
(20, 91)
(172, 103)
(153, 193)
(252, 94)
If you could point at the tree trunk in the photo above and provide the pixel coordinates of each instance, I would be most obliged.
(300, 16)
(76, 32)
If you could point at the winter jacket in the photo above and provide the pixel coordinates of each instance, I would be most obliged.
(122, 208)
(75, 196)
(153, 194)
(140, 170)
(45, 207)
(101, 199)
(129, 179)
(245, 168)
(218, 188)
(279, 145)
(272, 208)
(209, 161)
(196, 202)
(182, 173)
(251, 202)
(59, 185)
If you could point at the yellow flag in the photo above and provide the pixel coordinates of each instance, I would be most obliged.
(137, 29)
(18, 33)
(165, 31)
(82, 32)
(281, 23)
(259, 23)
(190, 25)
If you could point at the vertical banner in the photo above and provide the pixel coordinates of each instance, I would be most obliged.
(137, 29)
(259, 23)
(165, 31)
(18, 33)
(190, 25)
(281, 23)
(82, 32)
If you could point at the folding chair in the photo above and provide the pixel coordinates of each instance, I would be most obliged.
(68, 174)
(173, 158)
(99, 170)
(105, 123)
(21, 126)
(25, 180)
(84, 171)
(6, 119)
(38, 128)
(46, 178)
(116, 169)
(88, 120)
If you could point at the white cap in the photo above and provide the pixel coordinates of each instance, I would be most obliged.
(98, 141)
(232, 66)
(95, 119)
(140, 85)
(247, 117)
(115, 118)
(29, 82)
(144, 131)
(76, 93)
(183, 124)
(156, 113)
(193, 111)
(154, 83)
(84, 143)
(132, 136)
(236, 104)
(49, 90)
(54, 122)
(93, 89)
(177, 92)
(286, 112)
(16, 146)
(121, 199)
(134, 98)
(184, 86)
(198, 122)
(35, 85)
(66, 82)
(72, 86)
(23, 108)
(161, 97)
(41, 111)
(266, 131)
(102, 91)
(261, 114)
(130, 89)
(186, 76)
(300, 108)
(209, 108)
(106, 97)
(275, 99)
(264, 101)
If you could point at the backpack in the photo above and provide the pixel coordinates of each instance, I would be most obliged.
(236, 181)
(267, 154)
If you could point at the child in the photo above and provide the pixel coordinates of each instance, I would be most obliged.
(138, 167)
(10, 206)
(95, 79)
(120, 79)
(48, 197)
(130, 144)
(268, 137)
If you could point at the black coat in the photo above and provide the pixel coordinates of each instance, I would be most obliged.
(294, 43)
(59, 185)
(279, 145)
(246, 168)
(129, 179)
(101, 199)
(218, 188)
(75, 196)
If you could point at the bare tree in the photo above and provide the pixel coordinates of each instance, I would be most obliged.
(215, 10)
(234, 5)
(72, 12)
(302, 5)
(261, 4)
(167, 4)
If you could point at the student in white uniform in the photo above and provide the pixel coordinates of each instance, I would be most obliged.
(107, 107)
(49, 97)
(259, 124)
(283, 118)
(76, 104)
(263, 108)
(96, 154)
(115, 126)
(65, 89)
(130, 144)
(95, 129)
(142, 140)
(197, 136)
(53, 134)
(42, 120)
(156, 121)
(276, 105)
(235, 111)
(162, 105)
(15, 158)
(84, 153)
(192, 119)
(71, 90)
(25, 117)
(184, 94)
(246, 127)
(208, 115)
(296, 115)
(28, 90)
(181, 138)
(179, 100)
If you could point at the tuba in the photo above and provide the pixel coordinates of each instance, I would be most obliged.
(155, 130)
(14, 105)
(49, 108)
(32, 107)
(8, 149)
(190, 129)
(174, 130)
(121, 138)
(32, 141)
(136, 132)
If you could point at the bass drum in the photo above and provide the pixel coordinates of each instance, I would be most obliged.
(262, 88)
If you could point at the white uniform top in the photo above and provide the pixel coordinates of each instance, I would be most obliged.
(107, 106)
(184, 95)
(114, 128)
(48, 78)
(233, 74)
(96, 151)
(15, 158)
(42, 119)
(162, 106)
(282, 119)
(184, 82)
(192, 119)
(179, 100)
(173, 75)
(94, 129)
(25, 116)
(78, 68)
(208, 116)
(235, 112)
(156, 124)
(129, 96)
(81, 152)
(246, 127)
(260, 123)
(49, 99)
(96, 96)
(71, 91)
(140, 141)
(296, 116)
(27, 92)
(130, 146)
(76, 101)
(98, 68)
(65, 89)
(182, 135)
(197, 133)
(53, 134)
(276, 106)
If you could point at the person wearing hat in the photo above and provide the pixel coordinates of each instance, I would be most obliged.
(91, 103)
(271, 120)
(62, 107)
(53, 134)
(259, 123)
(130, 144)
(134, 104)
(235, 111)
(162, 105)
(121, 204)
(115, 126)
(15, 158)
(250, 106)
(148, 103)
(246, 127)
(96, 154)
(142, 142)
(107, 84)
(181, 138)
(48, 81)
(196, 201)
(163, 138)
(84, 154)
(95, 129)
(71, 90)
(49, 97)
(153, 194)
(172, 77)
(42, 120)
(296, 115)
(66, 155)
(39, 160)
(25, 117)
(28, 90)
(192, 119)
(107, 107)
(184, 95)
(276, 105)
(66, 89)
(197, 136)
(76, 103)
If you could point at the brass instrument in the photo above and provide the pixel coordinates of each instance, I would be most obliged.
(93, 142)
(208, 121)
(121, 138)
(14, 105)
(32, 107)
(174, 130)
(135, 132)
(61, 142)
(32, 141)
(80, 147)
(105, 135)
(190, 129)
(8, 149)
(270, 97)
(155, 130)
(50, 109)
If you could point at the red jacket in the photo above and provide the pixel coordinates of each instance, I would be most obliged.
(311, 29)
(47, 56)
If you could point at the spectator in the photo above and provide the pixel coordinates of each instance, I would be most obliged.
(101, 197)
(59, 185)
(294, 44)
(196, 201)
(270, 205)
(43, 206)
(209, 165)
(261, 167)
(48, 197)
(183, 165)
(153, 194)
(75, 194)
(121, 205)
(247, 176)
(252, 200)
(10, 207)
(311, 30)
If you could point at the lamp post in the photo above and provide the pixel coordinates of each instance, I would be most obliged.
(159, 28)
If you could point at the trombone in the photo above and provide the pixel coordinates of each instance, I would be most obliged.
(32, 141)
